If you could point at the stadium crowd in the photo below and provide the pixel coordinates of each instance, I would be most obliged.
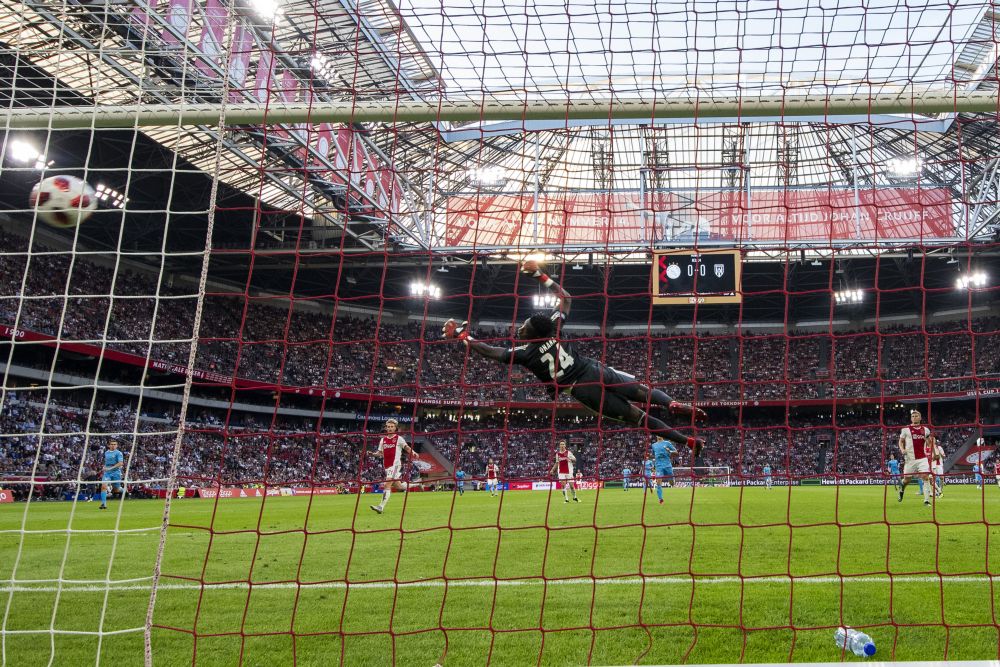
(267, 340)
(809, 444)
(65, 442)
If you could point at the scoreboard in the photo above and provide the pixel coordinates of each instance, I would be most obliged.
(696, 276)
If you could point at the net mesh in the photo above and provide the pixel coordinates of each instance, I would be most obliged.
(250, 305)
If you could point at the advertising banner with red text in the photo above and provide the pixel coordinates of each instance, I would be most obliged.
(764, 215)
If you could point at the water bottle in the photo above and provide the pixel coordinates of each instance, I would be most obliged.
(856, 642)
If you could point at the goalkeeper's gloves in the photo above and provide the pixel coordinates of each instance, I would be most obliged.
(534, 269)
(452, 330)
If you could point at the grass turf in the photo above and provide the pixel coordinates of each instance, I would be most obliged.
(714, 575)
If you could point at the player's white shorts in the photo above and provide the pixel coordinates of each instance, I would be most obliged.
(393, 473)
(566, 477)
(939, 470)
(492, 481)
(914, 466)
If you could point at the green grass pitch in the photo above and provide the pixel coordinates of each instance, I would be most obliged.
(508, 580)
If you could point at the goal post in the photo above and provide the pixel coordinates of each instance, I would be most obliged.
(913, 101)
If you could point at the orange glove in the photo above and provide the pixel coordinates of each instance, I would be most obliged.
(453, 330)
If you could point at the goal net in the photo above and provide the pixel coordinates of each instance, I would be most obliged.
(242, 420)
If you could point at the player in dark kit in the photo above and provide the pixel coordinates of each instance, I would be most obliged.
(602, 389)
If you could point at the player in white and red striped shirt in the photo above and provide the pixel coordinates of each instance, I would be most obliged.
(564, 465)
(391, 447)
(492, 477)
(917, 444)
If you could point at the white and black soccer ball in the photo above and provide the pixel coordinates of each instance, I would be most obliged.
(63, 201)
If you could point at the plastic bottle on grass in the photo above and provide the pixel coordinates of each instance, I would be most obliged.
(855, 641)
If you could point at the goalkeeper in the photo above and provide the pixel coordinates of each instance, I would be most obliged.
(604, 390)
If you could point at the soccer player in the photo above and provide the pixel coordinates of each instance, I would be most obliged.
(564, 464)
(662, 451)
(626, 473)
(648, 473)
(391, 446)
(602, 389)
(977, 469)
(460, 482)
(112, 477)
(937, 467)
(916, 444)
(996, 470)
(767, 475)
(492, 475)
(893, 466)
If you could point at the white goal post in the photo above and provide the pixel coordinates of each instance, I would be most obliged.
(907, 101)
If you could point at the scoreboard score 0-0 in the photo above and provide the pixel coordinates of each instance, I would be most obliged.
(696, 276)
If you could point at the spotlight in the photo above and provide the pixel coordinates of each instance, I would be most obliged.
(849, 296)
(971, 280)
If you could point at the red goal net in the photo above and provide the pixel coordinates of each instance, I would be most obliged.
(401, 384)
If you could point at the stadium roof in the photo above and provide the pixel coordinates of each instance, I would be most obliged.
(425, 51)
(672, 47)
(551, 50)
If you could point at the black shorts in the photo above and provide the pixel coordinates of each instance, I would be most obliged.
(606, 391)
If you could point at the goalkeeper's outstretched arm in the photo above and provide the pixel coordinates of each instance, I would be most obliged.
(533, 268)
(455, 331)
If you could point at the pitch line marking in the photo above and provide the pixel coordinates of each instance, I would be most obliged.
(478, 583)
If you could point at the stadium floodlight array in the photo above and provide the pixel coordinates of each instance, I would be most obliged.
(544, 301)
(906, 166)
(429, 290)
(20, 151)
(849, 296)
(110, 196)
(686, 194)
(977, 279)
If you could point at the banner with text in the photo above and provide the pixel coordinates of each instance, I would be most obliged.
(766, 215)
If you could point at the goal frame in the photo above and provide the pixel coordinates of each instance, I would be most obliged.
(906, 101)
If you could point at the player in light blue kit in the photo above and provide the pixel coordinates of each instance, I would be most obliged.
(460, 482)
(893, 465)
(647, 473)
(978, 471)
(662, 449)
(767, 475)
(112, 477)
(626, 473)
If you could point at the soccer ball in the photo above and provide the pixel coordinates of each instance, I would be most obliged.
(63, 201)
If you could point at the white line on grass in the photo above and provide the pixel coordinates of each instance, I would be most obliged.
(68, 587)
